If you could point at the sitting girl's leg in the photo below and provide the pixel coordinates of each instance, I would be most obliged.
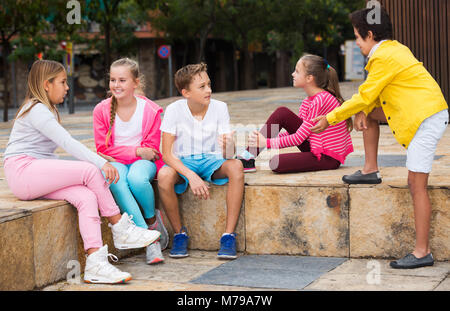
(85, 201)
(302, 162)
(31, 178)
(80, 183)
(124, 197)
(140, 176)
(281, 118)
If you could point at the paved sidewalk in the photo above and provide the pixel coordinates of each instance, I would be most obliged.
(202, 271)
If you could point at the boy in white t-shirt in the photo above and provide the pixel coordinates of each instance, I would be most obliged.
(198, 146)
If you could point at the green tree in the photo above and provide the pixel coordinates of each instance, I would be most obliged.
(186, 21)
(310, 25)
(16, 18)
(244, 22)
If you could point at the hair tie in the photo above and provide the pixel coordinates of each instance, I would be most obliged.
(326, 63)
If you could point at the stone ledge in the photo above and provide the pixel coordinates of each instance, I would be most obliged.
(279, 216)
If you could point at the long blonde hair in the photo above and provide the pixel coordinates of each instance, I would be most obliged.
(133, 66)
(325, 78)
(41, 71)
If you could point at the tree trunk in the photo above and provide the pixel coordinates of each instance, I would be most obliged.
(6, 99)
(235, 68)
(249, 76)
(107, 51)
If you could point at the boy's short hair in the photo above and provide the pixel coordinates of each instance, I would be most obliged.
(381, 31)
(184, 75)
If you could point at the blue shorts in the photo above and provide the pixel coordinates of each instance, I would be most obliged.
(204, 165)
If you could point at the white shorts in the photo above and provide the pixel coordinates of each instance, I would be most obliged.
(421, 150)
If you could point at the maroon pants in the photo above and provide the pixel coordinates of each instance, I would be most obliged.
(304, 161)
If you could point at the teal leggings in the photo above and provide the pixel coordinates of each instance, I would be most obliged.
(134, 192)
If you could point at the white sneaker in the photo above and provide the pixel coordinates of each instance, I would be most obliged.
(154, 254)
(127, 235)
(99, 270)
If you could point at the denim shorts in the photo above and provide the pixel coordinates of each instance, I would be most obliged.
(421, 150)
(204, 165)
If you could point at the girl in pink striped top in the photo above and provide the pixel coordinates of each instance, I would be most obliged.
(323, 151)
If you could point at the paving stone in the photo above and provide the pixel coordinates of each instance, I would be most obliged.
(372, 274)
(444, 285)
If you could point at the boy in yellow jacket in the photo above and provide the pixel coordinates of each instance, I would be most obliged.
(400, 91)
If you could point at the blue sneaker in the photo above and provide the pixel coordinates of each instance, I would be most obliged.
(227, 247)
(179, 245)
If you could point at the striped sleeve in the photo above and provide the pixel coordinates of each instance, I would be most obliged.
(308, 111)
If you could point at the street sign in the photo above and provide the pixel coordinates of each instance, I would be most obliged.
(164, 51)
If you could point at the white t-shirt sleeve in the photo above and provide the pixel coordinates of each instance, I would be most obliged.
(45, 121)
(169, 121)
(224, 120)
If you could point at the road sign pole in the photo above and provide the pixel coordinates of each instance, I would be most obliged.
(164, 52)
(170, 76)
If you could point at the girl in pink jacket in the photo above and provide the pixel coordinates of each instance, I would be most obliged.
(126, 133)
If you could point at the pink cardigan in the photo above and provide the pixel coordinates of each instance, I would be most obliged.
(151, 134)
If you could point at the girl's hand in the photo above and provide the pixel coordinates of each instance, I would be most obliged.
(106, 157)
(147, 153)
(111, 173)
(227, 144)
(322, 124)
(257, 140)
(198, 187)
(360, 122)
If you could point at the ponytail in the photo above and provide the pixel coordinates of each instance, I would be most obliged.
(325, 78)
(333, 88)
(112, 118)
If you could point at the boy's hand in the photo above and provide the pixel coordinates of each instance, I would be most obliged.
(322, 124)
(257, 140)
(147, 153)
(227, 144)
(360, 122)
(198, 187)
(226, 140)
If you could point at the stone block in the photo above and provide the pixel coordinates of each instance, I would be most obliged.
(382, 222)
(309, 221)
(206, 219)
(16, 254)
(55, 243)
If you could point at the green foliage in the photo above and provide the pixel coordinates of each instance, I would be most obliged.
(37, 31)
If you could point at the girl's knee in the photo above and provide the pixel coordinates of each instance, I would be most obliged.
(274, 164)
(82, 198)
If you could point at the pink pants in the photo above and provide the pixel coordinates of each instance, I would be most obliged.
(80, 183)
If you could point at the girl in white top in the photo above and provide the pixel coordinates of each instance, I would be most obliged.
(33, 171)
